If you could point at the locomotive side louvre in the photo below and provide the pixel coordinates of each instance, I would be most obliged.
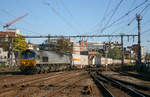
(53, 61)
(50, 57)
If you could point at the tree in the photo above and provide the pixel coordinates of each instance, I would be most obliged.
(147, 57)
(114, 53)
(19, 45)
(63, 45)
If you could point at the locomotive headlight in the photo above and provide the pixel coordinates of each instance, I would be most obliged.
(22, 62)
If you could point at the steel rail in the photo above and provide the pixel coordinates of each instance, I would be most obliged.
(138, 76)
(134, 85)
(106, 92)
(125, 88)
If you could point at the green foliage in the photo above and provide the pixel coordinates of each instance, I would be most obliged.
(114, 53)
(147, 56)
(19, 44)
(99, 55)
(63, 46)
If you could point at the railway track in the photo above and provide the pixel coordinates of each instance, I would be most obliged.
(72, 82)
(138, 88)
(52, 83)
(101, 86)
(131, 91)
(18, 79)
(31, 81)
(138, 76)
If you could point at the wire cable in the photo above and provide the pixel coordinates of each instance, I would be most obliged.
(11, 15)
(114, 12)
(145, 8)
(139, 13)
(69, 12)
(100, 23)
(126, 14)
(60, 16)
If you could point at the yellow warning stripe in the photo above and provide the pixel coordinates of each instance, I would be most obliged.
(76, 59)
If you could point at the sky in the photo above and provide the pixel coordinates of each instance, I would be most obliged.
(77, 17)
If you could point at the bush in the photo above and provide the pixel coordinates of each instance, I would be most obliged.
(3, 64)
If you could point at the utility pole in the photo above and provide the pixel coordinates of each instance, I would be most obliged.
(138, 18)
(10, 52)
(122, 49)
(106, 52)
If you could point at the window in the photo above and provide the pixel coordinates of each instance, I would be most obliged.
(45, 59)
(28, 55)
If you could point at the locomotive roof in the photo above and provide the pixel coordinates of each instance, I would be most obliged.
(45, 51)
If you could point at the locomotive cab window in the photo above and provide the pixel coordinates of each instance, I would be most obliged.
(45, 59)
(28, 54)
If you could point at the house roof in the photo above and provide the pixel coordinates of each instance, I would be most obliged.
(7, 33)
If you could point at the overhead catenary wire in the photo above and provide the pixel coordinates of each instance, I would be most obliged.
(140, 13)
(60, 16)
(145, 8)
(12, 15)
(126, 14)
(114, 12)
(134, 9)
(100, 23)
(107, 23)
(7, 12)
(130, 10)
(70, 13)
(131, 6)
(65, 7)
